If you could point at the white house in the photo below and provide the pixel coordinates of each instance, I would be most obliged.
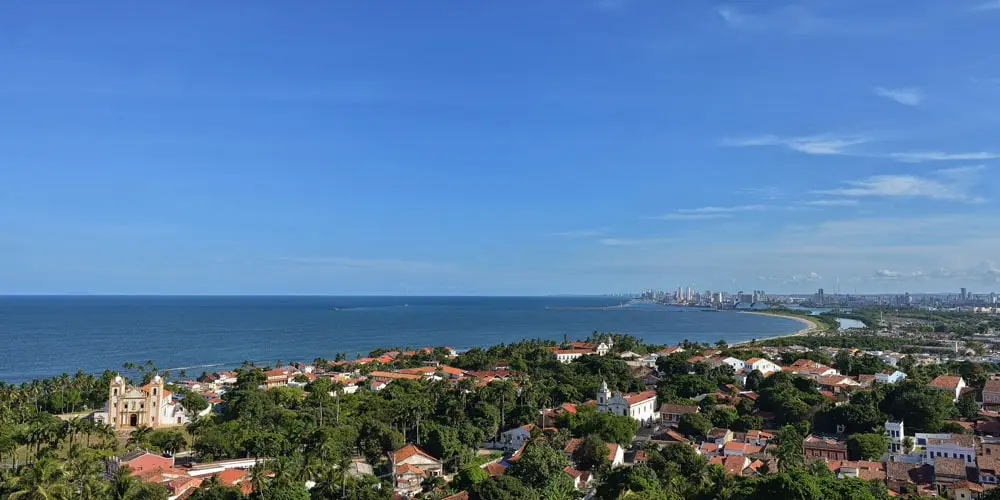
(641, 406)
(616, 455)
(960, 446)
(890, 377)
(894, 435)
(567, 356)
(516, 437)
(762, 365)
(737, 364)
(953, 385)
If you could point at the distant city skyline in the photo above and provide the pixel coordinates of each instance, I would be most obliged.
(531, 148)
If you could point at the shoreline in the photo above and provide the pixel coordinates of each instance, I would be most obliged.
(809, 326)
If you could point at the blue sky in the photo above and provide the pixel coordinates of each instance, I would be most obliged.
(516, 147)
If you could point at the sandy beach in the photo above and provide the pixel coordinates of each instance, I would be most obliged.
(809, 326)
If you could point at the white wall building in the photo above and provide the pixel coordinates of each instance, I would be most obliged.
(762, 365)
(890, 377)
(514, 438)
(641, 406)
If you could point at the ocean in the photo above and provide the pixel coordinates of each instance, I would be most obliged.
(43, 336)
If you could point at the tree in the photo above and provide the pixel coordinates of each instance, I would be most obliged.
(908, 445)
(967, 406)
(923, 408)
(139, 438)
(754, 378)
(843, 361)
(789, 452)
(45, 480)
(126, 486)
(469, 477)
(504, 487)
(973, 373)
(694, 425)
(866, 446)
(169, 441)
(592, 453)
(538, 465)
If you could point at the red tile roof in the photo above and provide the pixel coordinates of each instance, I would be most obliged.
(946, 382)
(230, 477)
(640, 397)
(408, 451)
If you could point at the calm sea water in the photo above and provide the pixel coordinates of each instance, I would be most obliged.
(45, 336)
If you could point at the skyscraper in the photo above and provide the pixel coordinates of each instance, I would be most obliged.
(964, 294)
(819, 297)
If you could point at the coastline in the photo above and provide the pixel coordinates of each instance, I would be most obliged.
(809, 326)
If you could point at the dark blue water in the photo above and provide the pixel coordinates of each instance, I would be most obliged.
(45, 336)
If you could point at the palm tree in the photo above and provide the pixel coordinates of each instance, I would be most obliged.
(139, 437)
(44, 481)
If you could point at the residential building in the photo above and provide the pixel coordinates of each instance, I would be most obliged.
(276, 377)
(736, 364)
(515, 438)
(948, 471)
(810, 369)
(670, 414)
(890, 377)
(411, 465)
(951, 384)
(641, 406)
(954, 446)
(830, 449)
(567, 356)
(894, 435)
(965, 490)
(991, 394)
(989, 469)
(763, 365)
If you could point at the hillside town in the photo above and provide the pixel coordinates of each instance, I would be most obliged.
(914, 423)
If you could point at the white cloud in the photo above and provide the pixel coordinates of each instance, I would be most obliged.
(908, 96)
(384, 265)
(907, 186)
(923, 156)
(885, 274)
(804, 278)
(581, 233)
(832, 203)
(823, 145)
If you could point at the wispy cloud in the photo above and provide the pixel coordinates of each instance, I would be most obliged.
(904, 186)
(826, 144)
(708, 212)
(832, 203)
(383, 265)
(908, 96)
(619, 242)
(797, 20)
(993, 5)
(721, 210)
(581, 233)
(924, 156)
(680, 216)
(764, 193)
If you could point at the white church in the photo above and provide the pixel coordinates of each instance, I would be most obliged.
(641, 406)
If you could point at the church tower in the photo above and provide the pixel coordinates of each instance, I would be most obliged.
(603, 394)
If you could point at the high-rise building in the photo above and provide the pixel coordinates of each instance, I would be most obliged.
(820, 300)
(964, 294)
